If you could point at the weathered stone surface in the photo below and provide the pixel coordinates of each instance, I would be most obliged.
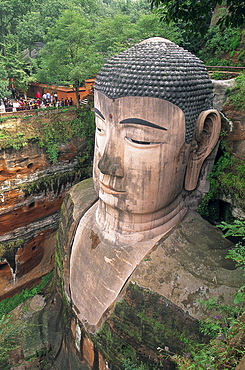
(44, 341)
(236, 119)
(236, 137)
(32, 190)
(189, 264)
(77, 201)
(22, 216)
(33, 261)
(237, 205)
(6, 271)
(31, 163)
(158, 305)
(145, 326)
(22, 163)
(220, 92)
(241, 365)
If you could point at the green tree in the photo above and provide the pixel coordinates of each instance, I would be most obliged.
(68, 57)
(15, 65)
(114, 34)
(50, 11)
(90, 7)
(149, 25)
(30, 31)
(10, 13)
(196, 15)
(4, 92)
(218, 44)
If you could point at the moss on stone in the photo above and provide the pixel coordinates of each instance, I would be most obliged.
(146, 328)
(54, 182)
(48, 129)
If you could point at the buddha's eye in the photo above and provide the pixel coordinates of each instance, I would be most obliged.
(100, 130)
(140, 142)
(100, 125)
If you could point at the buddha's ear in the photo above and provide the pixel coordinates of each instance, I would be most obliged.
(206, 135)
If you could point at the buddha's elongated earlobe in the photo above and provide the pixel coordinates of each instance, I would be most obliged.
(206, 135)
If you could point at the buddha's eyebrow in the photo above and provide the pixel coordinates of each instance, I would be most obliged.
(99, 113)
(138, 121)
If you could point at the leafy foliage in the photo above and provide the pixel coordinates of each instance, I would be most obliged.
(218, 42)
(9, 336)
(227, 176)
(55, 132)
(237, 93)
(11, 12)
(49, 133)
(64, 42)
(68, 57)
(114, 34)
(237, 254)
(196, 15)
(129, 365)
(4, 92)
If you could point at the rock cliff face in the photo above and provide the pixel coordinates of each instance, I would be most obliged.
(31, 193)
(236, 142)
(233, 122)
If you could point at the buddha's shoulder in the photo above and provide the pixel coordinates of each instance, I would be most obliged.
(80, 198)
(189, 263)
(194, 231)
(197, 246)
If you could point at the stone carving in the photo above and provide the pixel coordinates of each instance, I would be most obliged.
(154, 128)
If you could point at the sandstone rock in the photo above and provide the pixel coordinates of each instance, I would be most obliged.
(32, 190)
(220, 89)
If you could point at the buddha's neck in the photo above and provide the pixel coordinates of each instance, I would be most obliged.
(149, 225)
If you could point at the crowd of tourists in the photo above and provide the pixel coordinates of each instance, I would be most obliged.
(40, 101)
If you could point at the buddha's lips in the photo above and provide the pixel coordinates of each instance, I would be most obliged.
(109, 190)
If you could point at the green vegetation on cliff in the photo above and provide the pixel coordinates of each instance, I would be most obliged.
(10, 333)
(225, 325)
(142, 329)
(49, 129)
(227, 179)
(237, 93)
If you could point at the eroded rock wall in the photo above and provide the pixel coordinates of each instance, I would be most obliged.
(31, 193)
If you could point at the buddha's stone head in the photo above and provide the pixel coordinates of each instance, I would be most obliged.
(155, 126)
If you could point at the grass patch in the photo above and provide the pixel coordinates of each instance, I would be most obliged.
(8, 304)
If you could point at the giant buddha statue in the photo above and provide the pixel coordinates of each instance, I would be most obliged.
(155, 126)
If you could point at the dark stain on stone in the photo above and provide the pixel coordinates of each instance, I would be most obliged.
(95, 240)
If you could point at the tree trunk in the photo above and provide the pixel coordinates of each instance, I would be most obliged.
(77, 97)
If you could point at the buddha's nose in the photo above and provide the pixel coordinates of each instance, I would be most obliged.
(111, 162)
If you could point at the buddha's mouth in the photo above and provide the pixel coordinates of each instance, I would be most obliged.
(107, 189)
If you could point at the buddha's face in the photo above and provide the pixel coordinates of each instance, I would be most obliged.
(140, 152)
